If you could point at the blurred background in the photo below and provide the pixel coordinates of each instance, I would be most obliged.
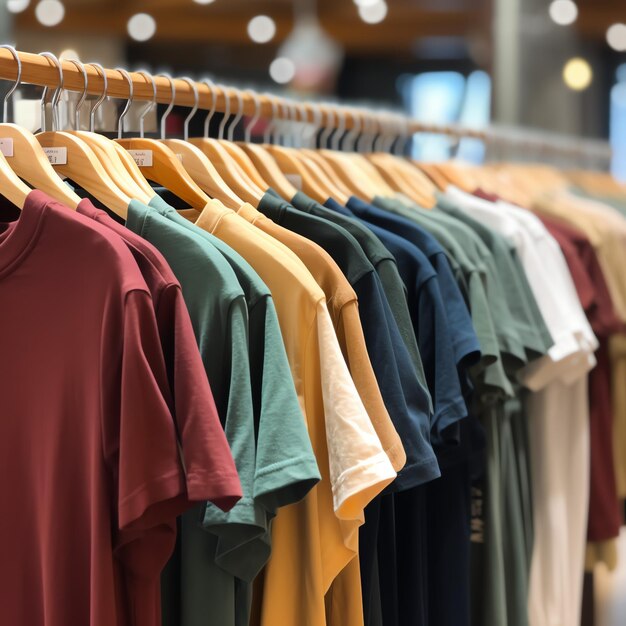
(557, 66)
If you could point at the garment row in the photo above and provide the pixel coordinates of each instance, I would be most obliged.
(311, 413)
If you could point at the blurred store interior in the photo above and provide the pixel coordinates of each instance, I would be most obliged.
(556, 66)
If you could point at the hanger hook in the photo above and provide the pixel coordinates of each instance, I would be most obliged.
(328, 128)
(349, 140)
(283, 136)
(247, 133)
(289, 135)
(148, 78)
(196, 100)
(211, 86)
(222, 126)
(170, 106)
(83, 96)
(129, 101)
(368, 127)
(298, 126)
(230, 131)
(318, 119)
(16, 84)
(339, 131)
(269, 136)
(101, 99)
(54, 101)
(307, 127)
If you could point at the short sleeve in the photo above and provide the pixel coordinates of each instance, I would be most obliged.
(286, 468)
(210, 471)
(359, 467)
(140, 444)
(239, 549)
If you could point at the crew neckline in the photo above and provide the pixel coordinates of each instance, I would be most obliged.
(20, 236)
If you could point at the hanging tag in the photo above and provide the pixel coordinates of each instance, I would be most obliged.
(6, 146)
(56, 156)
(295, 180)
(143, 158)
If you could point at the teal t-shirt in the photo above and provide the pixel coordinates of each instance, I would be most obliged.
(219, 553)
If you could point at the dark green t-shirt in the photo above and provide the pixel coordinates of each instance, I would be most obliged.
(385, 265)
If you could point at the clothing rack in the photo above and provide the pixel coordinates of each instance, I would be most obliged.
(40, 70)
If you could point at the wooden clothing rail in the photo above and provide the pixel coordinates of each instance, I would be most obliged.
(40, 70)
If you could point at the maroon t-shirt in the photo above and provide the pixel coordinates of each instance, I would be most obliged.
(206, 454)
(605, 516)
(89, 464)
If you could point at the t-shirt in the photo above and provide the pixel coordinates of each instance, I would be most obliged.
(395, 574)
(98, 503)
(343, 600)
(236, 546)
(384, 264)
(558, 407)
(313, 540)
(407, 405)
(343, 309)
(568, 327)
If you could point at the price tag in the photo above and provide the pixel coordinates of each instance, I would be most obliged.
(295, 180)
(6, 146)
(143, 158)
(56, 156)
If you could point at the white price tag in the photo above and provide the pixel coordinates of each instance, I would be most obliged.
(6, 146)
(295, 180)
(143, 158)
(56, 156)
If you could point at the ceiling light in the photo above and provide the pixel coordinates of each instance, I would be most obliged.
(373, 13)
(577, 74)
(141, 27)
(616, 37)
(50, 12)
(261, 29)
(282, 70)
(68, 54)
(563, 12)
(204, 1)
(17, 6)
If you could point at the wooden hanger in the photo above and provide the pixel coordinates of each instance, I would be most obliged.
(12, 187)
(198, 165)
(103, 147)
(224, 163)
(76, 159)
(345, 169)
(161, 165)
(307, 179)
(28, 160)
(264, 163)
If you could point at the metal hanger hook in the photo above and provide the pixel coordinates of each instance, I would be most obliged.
(340, 130)
(16, 84)
(54, 101)
(349, 140)
(230, 130)
(247, 133)
(170, 106)
(196, 100)
(222, 126)
(129, 101)
(328, 128)
(83, 96)
(148, 77)
(207, 120)
(101, 99)
(285, 117)
(269, 135)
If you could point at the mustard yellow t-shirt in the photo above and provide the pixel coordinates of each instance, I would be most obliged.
(313, 540)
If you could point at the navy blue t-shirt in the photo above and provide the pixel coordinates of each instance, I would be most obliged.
(406, 401)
